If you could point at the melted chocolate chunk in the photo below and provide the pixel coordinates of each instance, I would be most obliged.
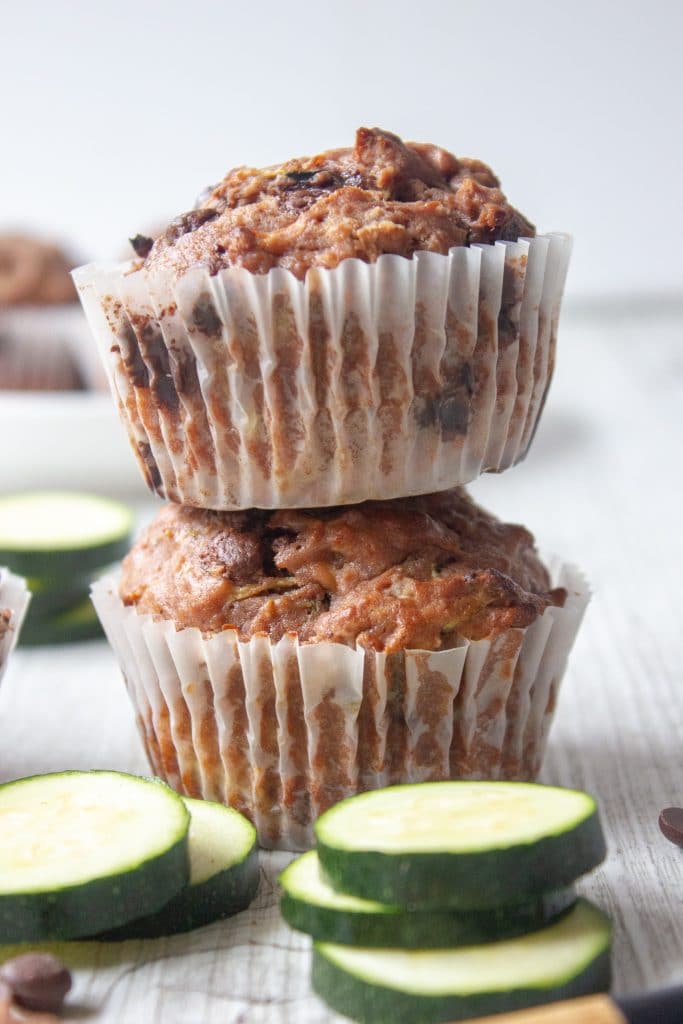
(205, 317)
(132, 357)
(157, 358)
(450, 408)
(188, 222)
(149, 466)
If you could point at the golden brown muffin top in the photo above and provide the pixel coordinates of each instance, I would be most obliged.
(413, 573)
(33, 273)
(382, 196)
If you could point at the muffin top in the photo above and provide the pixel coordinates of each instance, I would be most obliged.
(33, 273)
(382, 196)
(413, 573)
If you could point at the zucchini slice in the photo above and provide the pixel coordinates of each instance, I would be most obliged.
(469, 845)
(69, 626)
(569, 958)
(60, 534)
(81, 852)
(224, 875)
(309, 904)
(51, 596)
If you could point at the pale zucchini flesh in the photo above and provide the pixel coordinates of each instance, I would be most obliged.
(469, 845)
(84, 851)
(567, 959)
(224, 875)
(50, 534)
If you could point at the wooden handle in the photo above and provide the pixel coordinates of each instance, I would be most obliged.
(589, 1010)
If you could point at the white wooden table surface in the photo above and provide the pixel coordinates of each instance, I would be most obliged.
(602, 487)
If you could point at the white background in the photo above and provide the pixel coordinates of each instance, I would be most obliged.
(115, 115)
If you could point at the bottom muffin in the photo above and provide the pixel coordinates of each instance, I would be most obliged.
(14, 598)
(280, 661)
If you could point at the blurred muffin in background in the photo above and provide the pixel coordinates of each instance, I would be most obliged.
(44, 344)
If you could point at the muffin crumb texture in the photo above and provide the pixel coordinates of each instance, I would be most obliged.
(418, 573)
(381, 196)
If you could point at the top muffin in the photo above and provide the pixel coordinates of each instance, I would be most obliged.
(365, 324)
(382, 196)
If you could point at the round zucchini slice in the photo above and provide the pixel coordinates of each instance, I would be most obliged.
(569, 958)
(467, 845)
(309, 904)
(81, 852)
(49, 597)
(61, 535)
(70, 626)
(224, 875)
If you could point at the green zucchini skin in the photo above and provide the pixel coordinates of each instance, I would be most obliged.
(50, 597)
(64, 563)
(464, 880)
(98, 904)
(225, 893)
(47, 559)
(196, 906)
(383, 925)
(371, 1004)
(76, 911)
(71, 625)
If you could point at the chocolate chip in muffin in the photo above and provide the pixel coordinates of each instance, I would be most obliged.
(149, 466)
(205, 317)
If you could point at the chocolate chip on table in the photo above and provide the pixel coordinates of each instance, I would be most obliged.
(38, 981)
(671, 824)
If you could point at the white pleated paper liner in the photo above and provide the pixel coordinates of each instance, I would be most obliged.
(366, 381)
(14, 599)
(48, 348)
(283, 730)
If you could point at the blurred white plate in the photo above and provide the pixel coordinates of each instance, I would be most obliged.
(65, 440)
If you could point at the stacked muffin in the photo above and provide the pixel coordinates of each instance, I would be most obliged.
(309, 364)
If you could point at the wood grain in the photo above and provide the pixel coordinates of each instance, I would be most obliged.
(602, 486)
(590, 1010)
